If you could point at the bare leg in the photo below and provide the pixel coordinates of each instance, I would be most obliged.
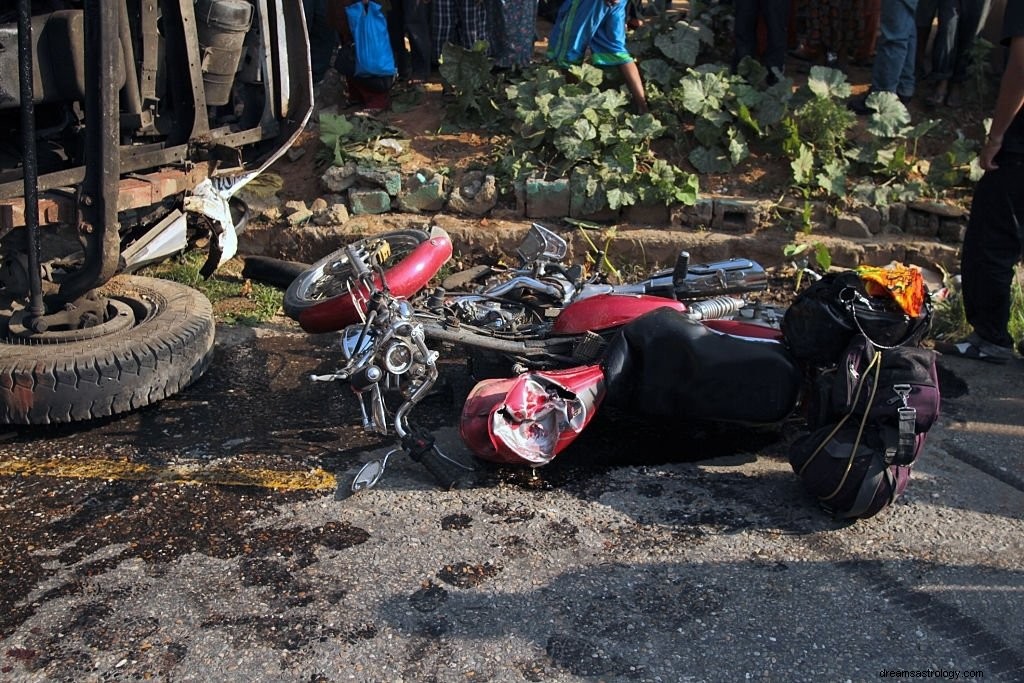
(631, 75)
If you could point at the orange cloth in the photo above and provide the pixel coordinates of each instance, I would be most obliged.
(903, 283)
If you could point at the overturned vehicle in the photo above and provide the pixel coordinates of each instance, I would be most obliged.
(126, 129)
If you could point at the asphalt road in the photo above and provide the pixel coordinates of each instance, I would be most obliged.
(202, 539)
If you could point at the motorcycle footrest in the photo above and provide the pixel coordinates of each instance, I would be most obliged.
(589, 348)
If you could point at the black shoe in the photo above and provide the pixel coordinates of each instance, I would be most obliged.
(858, 105)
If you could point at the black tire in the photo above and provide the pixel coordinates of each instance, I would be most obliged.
(167, 346)
(330, 277)
(272, 271)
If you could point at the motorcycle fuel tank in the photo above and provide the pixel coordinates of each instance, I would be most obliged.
(605, 311)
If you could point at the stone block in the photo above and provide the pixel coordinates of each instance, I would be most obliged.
(547, 198)
(849, 225)
(736, 215)
(389, 179)
(696, 217)
(299, 217)
(645, 213)
(475, 194)
(951, 230)
(369, 201)
(296, 212)
(339, 178)
(425, 192)
(333, 214)
(938, 208)
(872, 218)
(898, 214)
(921, 224)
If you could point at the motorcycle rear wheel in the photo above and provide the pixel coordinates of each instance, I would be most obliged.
(333, 276)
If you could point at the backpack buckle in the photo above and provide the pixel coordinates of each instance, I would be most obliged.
(903, 391)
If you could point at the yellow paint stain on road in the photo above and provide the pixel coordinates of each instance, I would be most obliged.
(98, 468)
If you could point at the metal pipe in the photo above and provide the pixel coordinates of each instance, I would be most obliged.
(102, 154)
(31, 170)
(130, 92)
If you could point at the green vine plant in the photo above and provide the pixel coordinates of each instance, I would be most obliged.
(566, 123)
(891, 154)
(357, 139)
(797, 253)
(575, 123)
(473, 87)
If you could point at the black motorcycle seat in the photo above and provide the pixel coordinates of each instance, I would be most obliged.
(665, 364)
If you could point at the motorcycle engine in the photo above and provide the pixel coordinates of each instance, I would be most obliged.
(489, 315)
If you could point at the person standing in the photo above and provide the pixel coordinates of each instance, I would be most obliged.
(462, 22)
(995, 231)
(322, 38)
(410, 18)
(776, 19)
(600, 26)
(893, 69)
(513, 29)
(960, 22)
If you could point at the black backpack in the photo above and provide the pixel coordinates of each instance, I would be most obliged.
(868, 419)
(824, 318)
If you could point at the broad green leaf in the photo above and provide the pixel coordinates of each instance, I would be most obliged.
(645, 126)
(688, 190)
(822, 256)
(584, 129)
(922, 129)
(832, 178)
(706, 132)
(828, 83)
(660, 72)
(709, 160)
(744, 115)
(795, 249)
(590, 74)
(751, 70)
(738, 150)
(615, 199)
(681, 44)
(746, 94)
(334, 128)
(891, 117)
(803, 166)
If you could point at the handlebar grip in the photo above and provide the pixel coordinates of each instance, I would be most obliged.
(446, 473)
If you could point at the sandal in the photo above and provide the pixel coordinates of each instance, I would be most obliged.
(976, 348)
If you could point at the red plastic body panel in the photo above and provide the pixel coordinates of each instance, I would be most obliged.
(509, 421)
(403, 279)
(605, 311)
(741, 328)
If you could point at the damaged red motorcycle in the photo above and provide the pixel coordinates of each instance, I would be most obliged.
(683, 341)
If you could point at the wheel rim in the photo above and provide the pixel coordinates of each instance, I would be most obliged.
(335, 277)
(120, 317)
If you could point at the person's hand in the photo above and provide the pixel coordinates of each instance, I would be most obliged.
(986, 158)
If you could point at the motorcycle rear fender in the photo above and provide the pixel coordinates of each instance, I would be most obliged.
(606, 311)
(403, 279)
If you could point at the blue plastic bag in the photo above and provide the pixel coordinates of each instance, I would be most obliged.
(369, 29)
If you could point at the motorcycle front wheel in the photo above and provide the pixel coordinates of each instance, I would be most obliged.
(333, 276)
